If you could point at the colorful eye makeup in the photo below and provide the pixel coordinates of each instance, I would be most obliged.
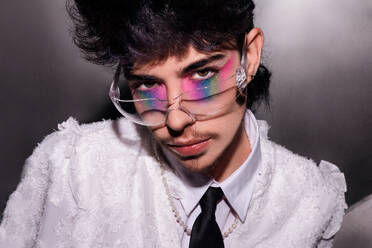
(200, 89)
(204, 88)
(155, 95)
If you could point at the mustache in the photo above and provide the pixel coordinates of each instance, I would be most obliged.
(197, 134)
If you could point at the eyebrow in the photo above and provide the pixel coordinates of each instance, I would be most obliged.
(190, 68)
(141, 77)
(200, 63)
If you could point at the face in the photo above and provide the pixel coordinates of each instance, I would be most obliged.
(197, 144)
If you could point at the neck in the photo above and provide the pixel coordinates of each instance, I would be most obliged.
(234, 156)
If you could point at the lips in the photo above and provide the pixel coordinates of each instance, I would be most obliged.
(190, 148)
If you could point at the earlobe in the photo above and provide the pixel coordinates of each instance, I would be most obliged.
(254, 43)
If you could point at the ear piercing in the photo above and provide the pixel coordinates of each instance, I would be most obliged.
(241, 78)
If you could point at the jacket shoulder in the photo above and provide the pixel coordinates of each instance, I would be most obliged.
(314, 190)
(305, 173)
(72, 137)
(65, 171)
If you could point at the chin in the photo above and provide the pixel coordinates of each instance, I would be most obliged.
(202, 163)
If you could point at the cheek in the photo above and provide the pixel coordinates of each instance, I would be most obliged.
(224, 128)
(228, 125)
(160, 134)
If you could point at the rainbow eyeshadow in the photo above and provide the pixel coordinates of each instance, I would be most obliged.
(194, 89)
(202, 89)
(159, 91)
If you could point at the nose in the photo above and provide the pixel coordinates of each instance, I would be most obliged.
(178, 119)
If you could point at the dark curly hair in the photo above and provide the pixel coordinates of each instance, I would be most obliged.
(117, 31)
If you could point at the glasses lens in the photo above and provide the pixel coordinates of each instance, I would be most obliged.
(143, 104)
(210, 105)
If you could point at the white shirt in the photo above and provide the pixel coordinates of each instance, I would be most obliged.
(237, 188)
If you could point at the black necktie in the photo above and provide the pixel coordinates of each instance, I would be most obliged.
(205, 232)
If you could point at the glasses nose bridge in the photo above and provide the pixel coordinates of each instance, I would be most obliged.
(174, 96)
(173, 100)
(180, 108)
(175, 103)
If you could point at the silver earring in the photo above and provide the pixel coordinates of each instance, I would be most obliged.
(241, 78)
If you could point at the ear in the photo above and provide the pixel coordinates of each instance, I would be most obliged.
(254, 44)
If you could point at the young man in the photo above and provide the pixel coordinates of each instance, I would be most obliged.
(189, 165)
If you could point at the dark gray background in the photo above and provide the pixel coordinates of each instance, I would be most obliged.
(319, 52)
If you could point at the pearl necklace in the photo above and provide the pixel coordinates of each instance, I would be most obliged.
(176, 213)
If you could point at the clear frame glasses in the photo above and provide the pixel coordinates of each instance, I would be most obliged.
(148, 103)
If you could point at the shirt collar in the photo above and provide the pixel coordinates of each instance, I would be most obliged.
(237, 188)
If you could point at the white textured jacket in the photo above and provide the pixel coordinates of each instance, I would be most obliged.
(99, 185)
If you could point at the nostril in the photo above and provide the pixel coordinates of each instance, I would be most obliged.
(177, 120)
(174, 133)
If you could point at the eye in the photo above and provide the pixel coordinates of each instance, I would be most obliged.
(147, 85)
(144, 86)
(203, 74)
